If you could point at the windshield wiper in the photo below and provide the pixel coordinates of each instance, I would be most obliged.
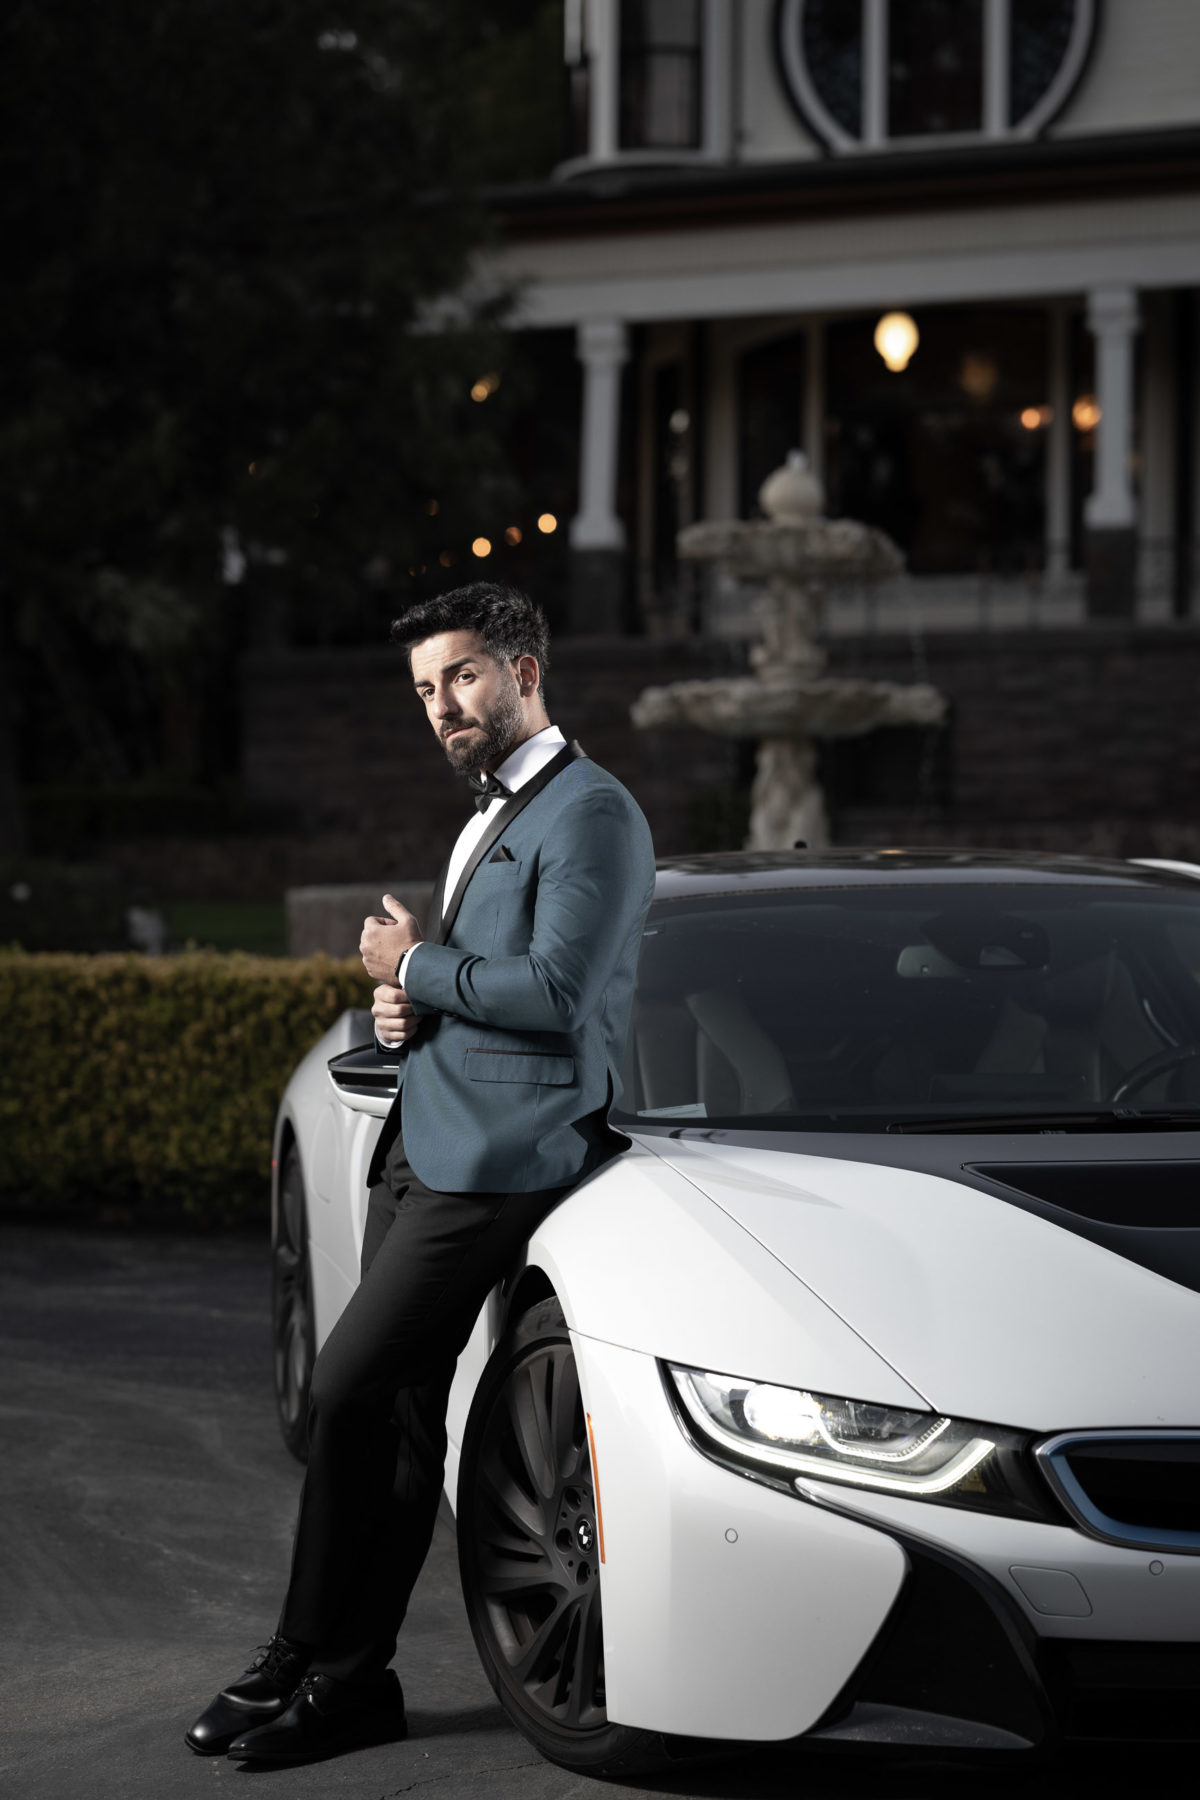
(1112, 1118)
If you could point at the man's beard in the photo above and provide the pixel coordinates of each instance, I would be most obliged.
(501, 727)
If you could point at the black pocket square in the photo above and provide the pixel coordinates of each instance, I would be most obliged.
(502, 854)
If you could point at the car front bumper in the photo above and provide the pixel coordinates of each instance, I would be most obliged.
(733, 1610)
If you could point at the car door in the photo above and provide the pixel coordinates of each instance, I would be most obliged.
(362, 1088)
(365, 1086)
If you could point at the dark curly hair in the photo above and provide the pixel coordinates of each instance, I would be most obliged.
(507, 620)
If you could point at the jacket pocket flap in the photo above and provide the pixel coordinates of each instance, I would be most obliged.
(520, 1065)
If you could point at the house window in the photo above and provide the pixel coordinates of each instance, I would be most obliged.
(934, 67)
(1040, 44)
(577, 86)
(672, 470)
(771, 389)
(661, 75)
(867, 73)
(832, 57)
(949, 456)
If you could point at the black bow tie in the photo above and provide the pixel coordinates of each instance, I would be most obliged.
(486, 788)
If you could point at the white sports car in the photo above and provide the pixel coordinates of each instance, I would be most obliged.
(863, 1392)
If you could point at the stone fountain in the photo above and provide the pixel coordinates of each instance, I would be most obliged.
(789, 702)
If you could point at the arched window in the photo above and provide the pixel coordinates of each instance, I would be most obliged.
(867, 73)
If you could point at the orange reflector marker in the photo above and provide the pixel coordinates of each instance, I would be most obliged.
(596, 1484)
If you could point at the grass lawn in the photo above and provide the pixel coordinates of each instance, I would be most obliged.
(255, 925)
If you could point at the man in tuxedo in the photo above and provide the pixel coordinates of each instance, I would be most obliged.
(509, 1020)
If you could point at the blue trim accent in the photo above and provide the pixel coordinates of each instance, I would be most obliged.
(1052, 1455)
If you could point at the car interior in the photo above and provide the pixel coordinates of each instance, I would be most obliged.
(807, 1008)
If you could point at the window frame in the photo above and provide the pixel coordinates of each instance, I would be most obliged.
(641, 57)
(995, 126)
(599, 40)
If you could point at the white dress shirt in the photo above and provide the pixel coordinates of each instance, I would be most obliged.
(516, 769)
(514, 772)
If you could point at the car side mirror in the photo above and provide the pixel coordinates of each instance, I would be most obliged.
(365, 1080)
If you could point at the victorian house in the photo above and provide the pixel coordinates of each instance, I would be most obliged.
(949, 248)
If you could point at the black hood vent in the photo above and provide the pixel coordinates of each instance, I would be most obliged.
(1147, 1196)
(1148, 1212)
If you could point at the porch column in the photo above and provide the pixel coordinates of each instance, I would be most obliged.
(1058, 450)
(1109, 510)
(597, 535)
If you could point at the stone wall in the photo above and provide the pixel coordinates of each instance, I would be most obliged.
(331, 918)
(1085, 740)
(337, 745)
(341, 767)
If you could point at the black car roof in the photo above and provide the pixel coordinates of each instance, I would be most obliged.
(734, 871)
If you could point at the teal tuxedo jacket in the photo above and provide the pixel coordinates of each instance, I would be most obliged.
(525, 1005)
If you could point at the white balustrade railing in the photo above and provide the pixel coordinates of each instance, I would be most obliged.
(690, 601)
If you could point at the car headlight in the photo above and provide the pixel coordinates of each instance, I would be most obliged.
(797, 1436)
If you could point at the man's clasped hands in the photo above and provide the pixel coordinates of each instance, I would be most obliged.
(383, 945)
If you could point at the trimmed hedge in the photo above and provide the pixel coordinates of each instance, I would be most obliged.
(147, 1087)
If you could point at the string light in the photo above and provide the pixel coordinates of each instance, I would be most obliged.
(512, 534)
(487, 384)
(481, 546)
(1085, 413)
(547, 523)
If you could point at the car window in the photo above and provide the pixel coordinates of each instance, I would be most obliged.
(853, 1008)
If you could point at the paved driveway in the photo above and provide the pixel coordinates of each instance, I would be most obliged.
(146, 1505)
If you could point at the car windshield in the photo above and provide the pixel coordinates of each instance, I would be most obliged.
(864, 1008)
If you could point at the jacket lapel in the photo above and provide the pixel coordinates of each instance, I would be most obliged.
(438, 895)
(499, 819)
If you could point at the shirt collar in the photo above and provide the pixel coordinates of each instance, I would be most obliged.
(525, 761)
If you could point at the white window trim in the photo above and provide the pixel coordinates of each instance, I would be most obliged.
(997, 27)
(602, 21)
(875, 62)
(997, 35)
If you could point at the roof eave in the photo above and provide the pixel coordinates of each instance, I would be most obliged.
(628, 197)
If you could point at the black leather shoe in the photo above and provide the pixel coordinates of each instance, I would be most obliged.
(325, 1718)
(257, 1697)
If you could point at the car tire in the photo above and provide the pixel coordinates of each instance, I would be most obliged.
(528, 1550)
(293, 1327)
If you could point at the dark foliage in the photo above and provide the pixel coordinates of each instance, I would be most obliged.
(227, 406)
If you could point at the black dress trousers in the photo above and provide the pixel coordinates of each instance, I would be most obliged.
(377, 1411)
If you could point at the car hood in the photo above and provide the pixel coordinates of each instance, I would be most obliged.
(987, 1309)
